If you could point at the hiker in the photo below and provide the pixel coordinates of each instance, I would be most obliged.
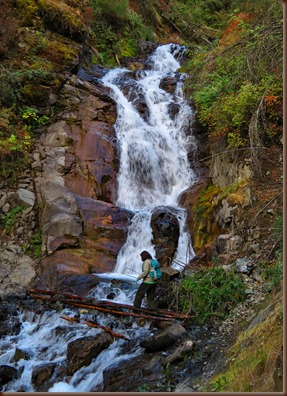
(148, 284)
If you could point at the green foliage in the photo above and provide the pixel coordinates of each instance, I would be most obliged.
(12, 84)
(243, 66)
(144, 388)
(151, 15)
(10, 218)
(114, 13)
(30, 117)
(198, 22)
(212, 292)
(10, 90)
(219, 384)
(117, 30)
(28, 11)
(37, 244)
(279, 226)
(12, 166)
(272, 272)
(34, 246)
(62, 19)
(16, 140)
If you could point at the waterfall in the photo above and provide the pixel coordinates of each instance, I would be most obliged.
(153, 131)
(154, 166)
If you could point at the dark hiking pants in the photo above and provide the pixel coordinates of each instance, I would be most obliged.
(149, 290)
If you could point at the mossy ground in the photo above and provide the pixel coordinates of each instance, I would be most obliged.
(252, 358)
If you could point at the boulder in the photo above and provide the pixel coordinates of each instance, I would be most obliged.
(229, 243)
(165, 230)
(168, 84)
(83, 350)
(180, 352)
(163, 339)
(7, 374)
(21, 354)
(17, 272)
(9, 319)
(185, 386)
(78, 284)
(132, 374)
(170, 273)
(244, 265)
(105, 230)
(42, 374)
(24, 197)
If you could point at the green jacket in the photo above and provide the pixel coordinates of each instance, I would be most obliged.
(145, 274)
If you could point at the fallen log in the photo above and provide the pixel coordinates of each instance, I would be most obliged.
(82, 304)
(115, 312)
(158, 311)
(107, 303)
(45, 298)
(95, 324)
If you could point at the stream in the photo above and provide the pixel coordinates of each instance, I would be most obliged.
(153, 132)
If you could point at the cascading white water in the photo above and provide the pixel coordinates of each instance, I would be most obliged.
(154, 166)
(45, 337)
(154, 170)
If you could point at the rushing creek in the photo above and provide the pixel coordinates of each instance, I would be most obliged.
(154, 170)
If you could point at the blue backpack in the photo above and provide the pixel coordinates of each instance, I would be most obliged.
(155, 271)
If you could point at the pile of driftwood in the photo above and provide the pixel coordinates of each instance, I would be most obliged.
(104, 306)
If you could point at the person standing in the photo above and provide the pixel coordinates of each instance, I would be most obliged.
(148, 285)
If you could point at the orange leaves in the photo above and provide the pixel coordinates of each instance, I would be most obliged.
(232, 32)
(273, 115)
(270, 99)
(218, 134)
(88, 15)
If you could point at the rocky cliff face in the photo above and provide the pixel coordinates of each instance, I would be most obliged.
(75, 168)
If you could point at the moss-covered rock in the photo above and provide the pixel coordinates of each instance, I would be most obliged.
(61, 18)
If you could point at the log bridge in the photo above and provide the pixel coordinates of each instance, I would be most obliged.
(104, 306)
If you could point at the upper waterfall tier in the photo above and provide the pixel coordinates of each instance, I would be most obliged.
(154, 166)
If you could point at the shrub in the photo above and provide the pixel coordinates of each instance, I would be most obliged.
(113, 13)
(31, 117)
(272, 270)
(34, 245)
(12, 84)
(210, 294)
(117, 31)
(230, 77)
(10, 218)
(16, 142)
(15, 139)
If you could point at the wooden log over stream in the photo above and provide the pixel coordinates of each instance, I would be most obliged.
(95, 324)
(108, 307)
(160, 312)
